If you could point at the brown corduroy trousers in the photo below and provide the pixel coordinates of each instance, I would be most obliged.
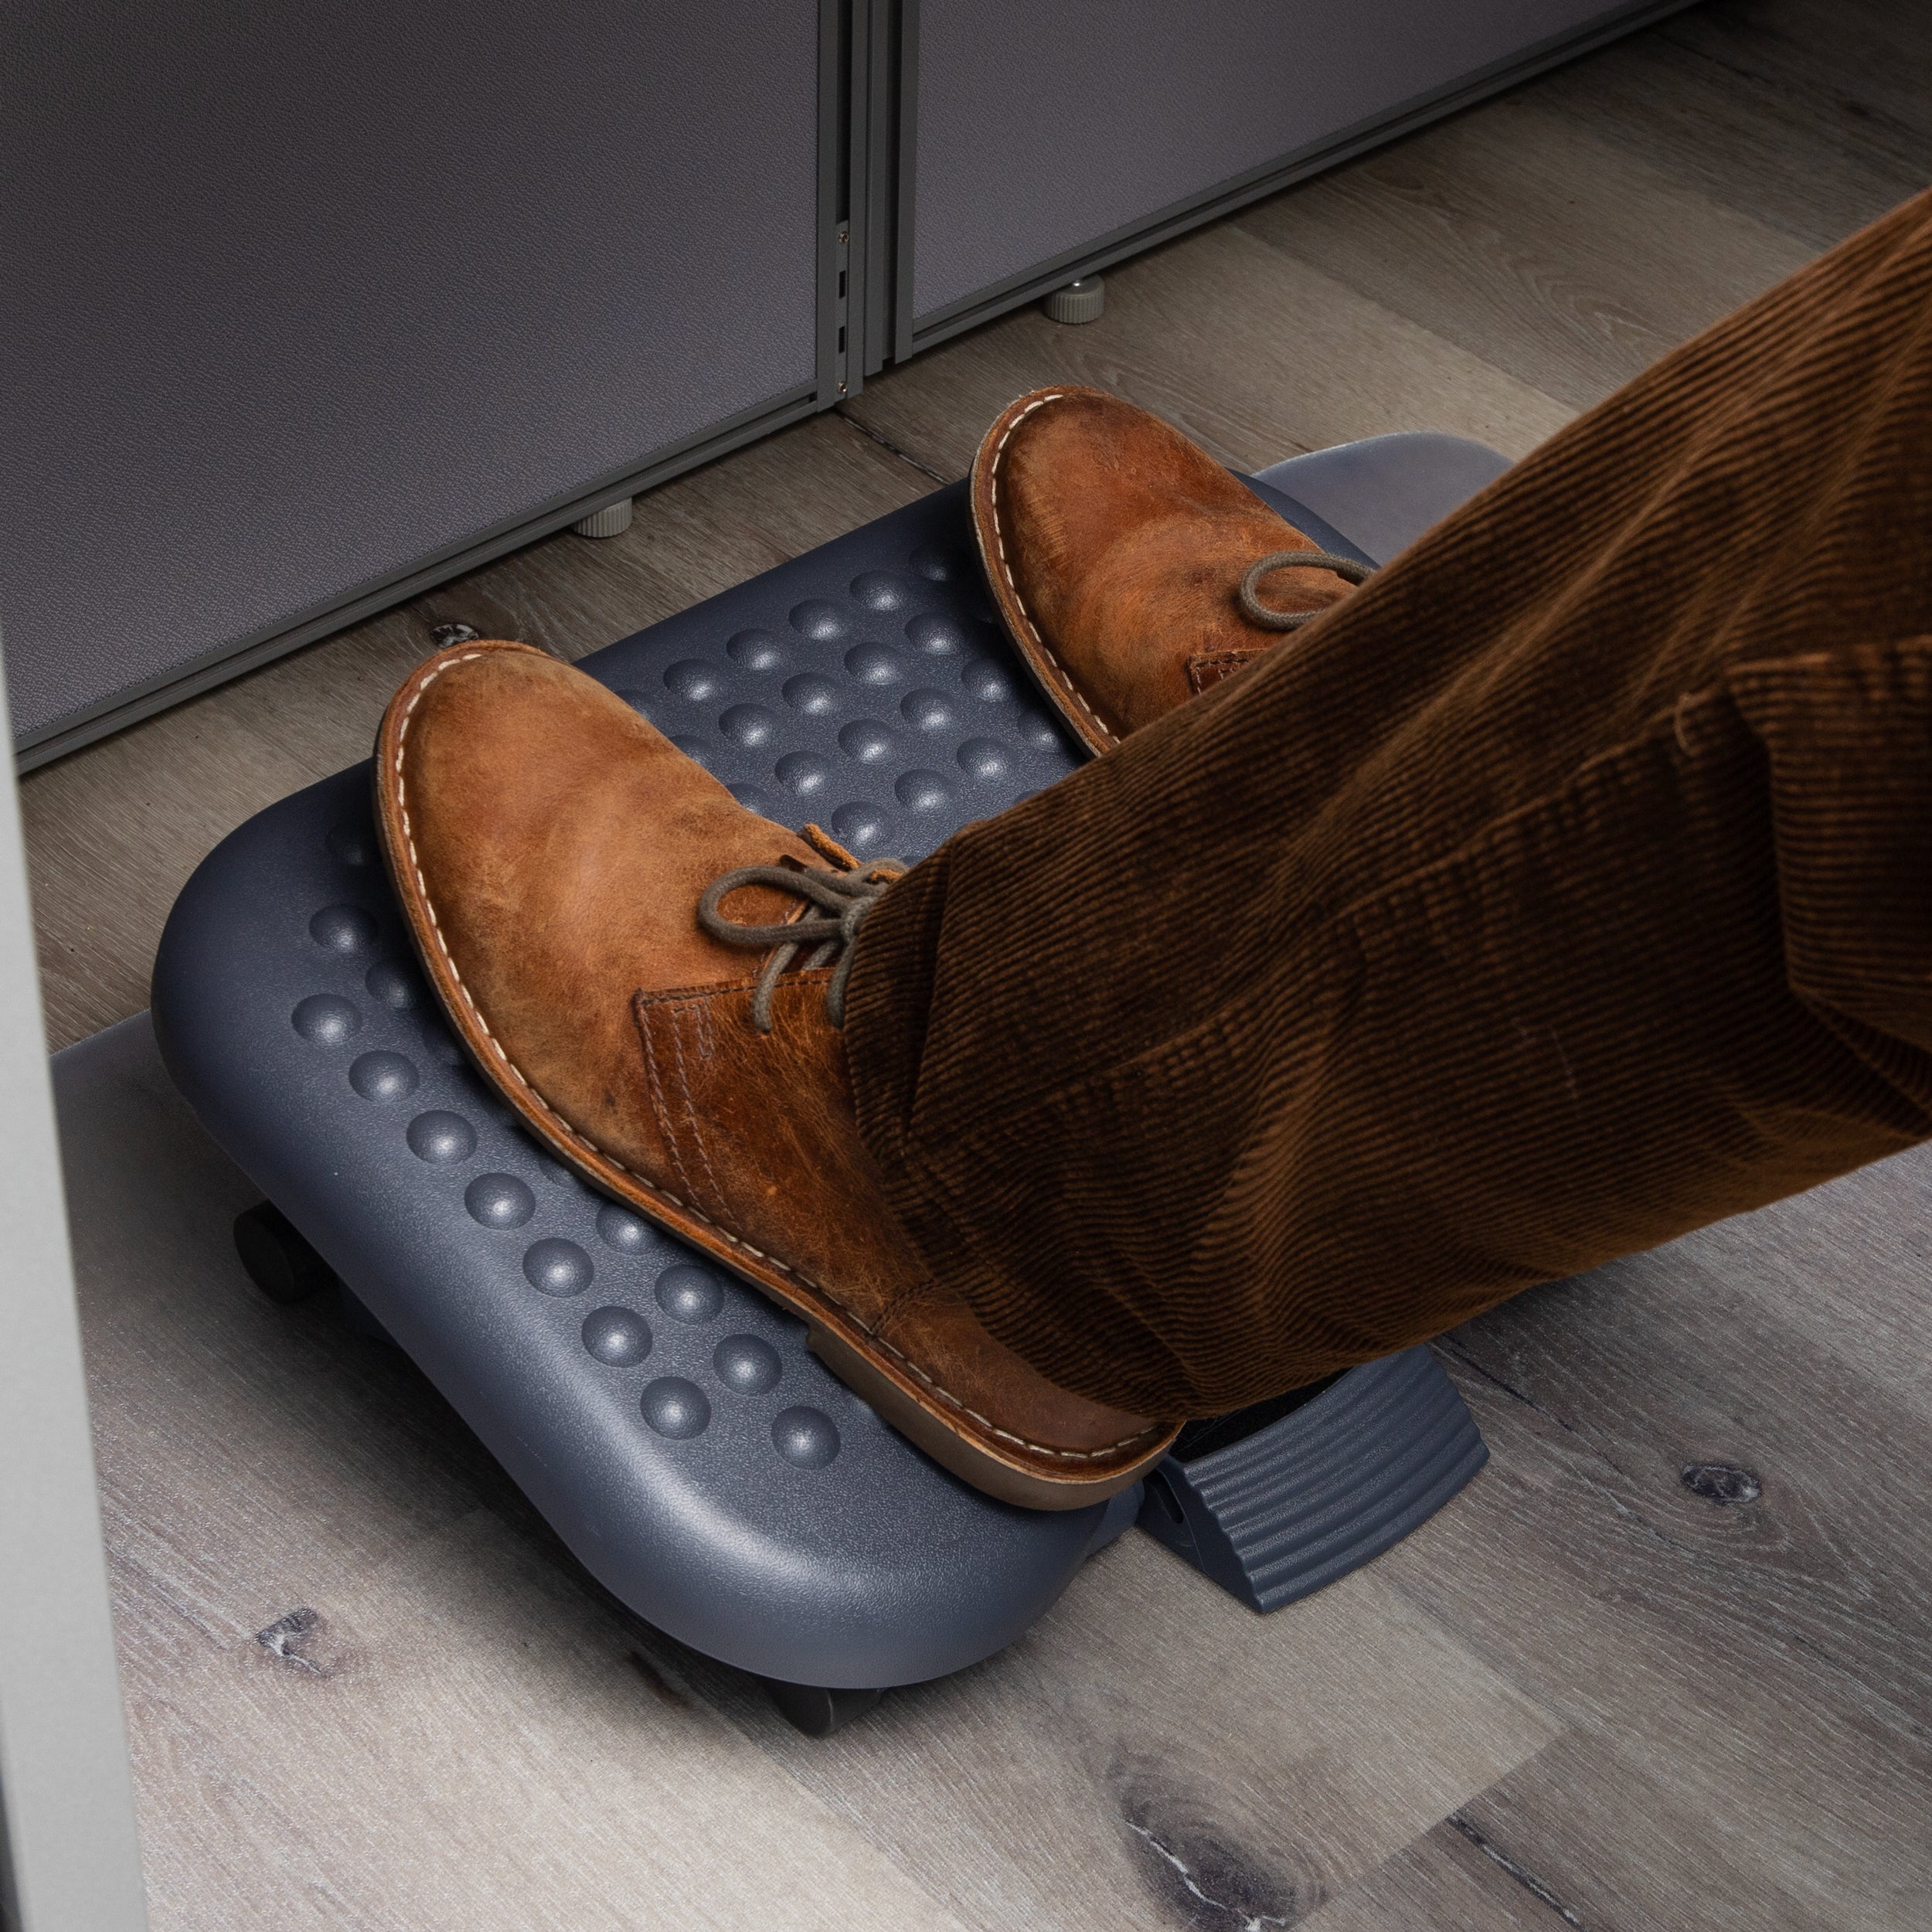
(1568, 887)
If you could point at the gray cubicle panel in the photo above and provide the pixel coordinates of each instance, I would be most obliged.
(69, 1859)
(1043, 138)
(307, 302)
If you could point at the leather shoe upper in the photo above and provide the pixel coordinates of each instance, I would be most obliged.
(550, 847)
(1115, 548)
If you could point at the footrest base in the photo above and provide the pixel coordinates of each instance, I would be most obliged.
(1324, 1489)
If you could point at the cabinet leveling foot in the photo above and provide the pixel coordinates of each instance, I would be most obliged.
(1084, 300)
(613, 520)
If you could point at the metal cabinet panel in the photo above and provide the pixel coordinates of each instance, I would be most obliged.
(1046, 129)
(299, 299)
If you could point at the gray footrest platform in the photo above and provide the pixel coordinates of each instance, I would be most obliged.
(668, 1420)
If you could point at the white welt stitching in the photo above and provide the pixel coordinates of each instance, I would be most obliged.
(1006, 569)
(570, 1134)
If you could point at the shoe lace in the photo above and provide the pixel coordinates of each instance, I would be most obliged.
(1269, 619)
(843, 898)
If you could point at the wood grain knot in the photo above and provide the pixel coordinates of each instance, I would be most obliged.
(1722, 1483)
(296, 1640)
(1205, 1881)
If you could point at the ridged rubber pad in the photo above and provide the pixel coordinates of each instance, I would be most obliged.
(1324, 1490)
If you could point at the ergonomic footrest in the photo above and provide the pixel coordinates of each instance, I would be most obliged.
(668, 1420)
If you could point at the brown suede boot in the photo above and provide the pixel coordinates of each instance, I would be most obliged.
(1132, 571)
(588, 904)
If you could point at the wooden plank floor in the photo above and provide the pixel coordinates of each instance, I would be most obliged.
(1585, 1695)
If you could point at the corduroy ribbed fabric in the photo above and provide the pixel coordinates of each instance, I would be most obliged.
(1568, 887)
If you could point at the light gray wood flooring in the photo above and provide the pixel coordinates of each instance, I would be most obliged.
(1585, 1695)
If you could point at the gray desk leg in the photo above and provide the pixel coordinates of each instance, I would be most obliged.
(71, 1857)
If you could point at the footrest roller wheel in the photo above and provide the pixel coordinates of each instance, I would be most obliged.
(279, 1261)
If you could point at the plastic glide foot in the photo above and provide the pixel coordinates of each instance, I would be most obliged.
(1324, 1489)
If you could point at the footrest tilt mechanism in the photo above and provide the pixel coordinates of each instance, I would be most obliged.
(1278, 1514)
